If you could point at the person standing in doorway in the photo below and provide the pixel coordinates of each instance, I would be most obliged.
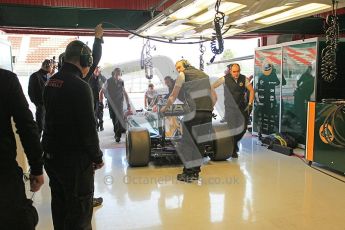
(96, 82)
(114, 91)
(37, 81)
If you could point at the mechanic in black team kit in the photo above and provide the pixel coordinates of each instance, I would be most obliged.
(96, 56)
(235, 87)
(16, 211)
(70, 141)
(200, 99)
(36, 84)
(96, 82)
(115, 92)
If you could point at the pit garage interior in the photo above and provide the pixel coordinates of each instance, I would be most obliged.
(299, 188)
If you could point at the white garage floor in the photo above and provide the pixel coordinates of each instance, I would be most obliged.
(259, 190)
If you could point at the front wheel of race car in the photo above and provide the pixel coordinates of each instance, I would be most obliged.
(138, 146)
(223, 143)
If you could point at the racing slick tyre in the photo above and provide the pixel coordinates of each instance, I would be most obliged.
(138, 146)
(223, 144)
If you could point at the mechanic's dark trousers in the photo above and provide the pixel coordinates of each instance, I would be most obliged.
(190, 151)
(16, 211)
(116, 115)
(98, 110)
(40, 114)
(239, 136)
(71, 182)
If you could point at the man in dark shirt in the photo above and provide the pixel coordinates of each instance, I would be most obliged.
(70, 140)
(96, 82)
(200, 98)
(35, 90)
(170, 83)
(96, 56)
(237, 110)
(114, 90)
(16, 211)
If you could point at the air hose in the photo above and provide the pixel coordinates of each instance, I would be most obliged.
(328, 54)
(217, 37)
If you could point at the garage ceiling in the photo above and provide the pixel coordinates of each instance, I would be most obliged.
(76, 17)
(70, 17)
(195, 18)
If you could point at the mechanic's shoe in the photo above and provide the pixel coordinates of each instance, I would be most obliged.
(97, 201)
(234, 155)
(188, 177)
(101, 128)
(192, 170)
(117, 139)
(236, 149)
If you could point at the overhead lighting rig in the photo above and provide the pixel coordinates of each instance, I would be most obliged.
(194, 18)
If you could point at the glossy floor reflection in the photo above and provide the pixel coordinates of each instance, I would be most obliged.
(260, 190)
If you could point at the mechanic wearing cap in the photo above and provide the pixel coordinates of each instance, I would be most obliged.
(235, 86)
(70, 141)
(35, 90)
(200, 99)
(17, 211)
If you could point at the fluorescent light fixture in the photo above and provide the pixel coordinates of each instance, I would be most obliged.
(177, 30)
(155, 27)
(225, 7)
(206, 33)
(259, 15)
(158, 28)
(153, 30)
(233, 31)
(191, 9)
(294, 13)
(209, 32)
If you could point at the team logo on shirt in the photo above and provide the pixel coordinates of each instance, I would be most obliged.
(55, 83)
(241, 84)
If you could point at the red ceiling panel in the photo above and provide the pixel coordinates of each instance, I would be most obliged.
(111, 4)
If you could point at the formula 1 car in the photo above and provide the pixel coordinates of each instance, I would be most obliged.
(151, 136)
